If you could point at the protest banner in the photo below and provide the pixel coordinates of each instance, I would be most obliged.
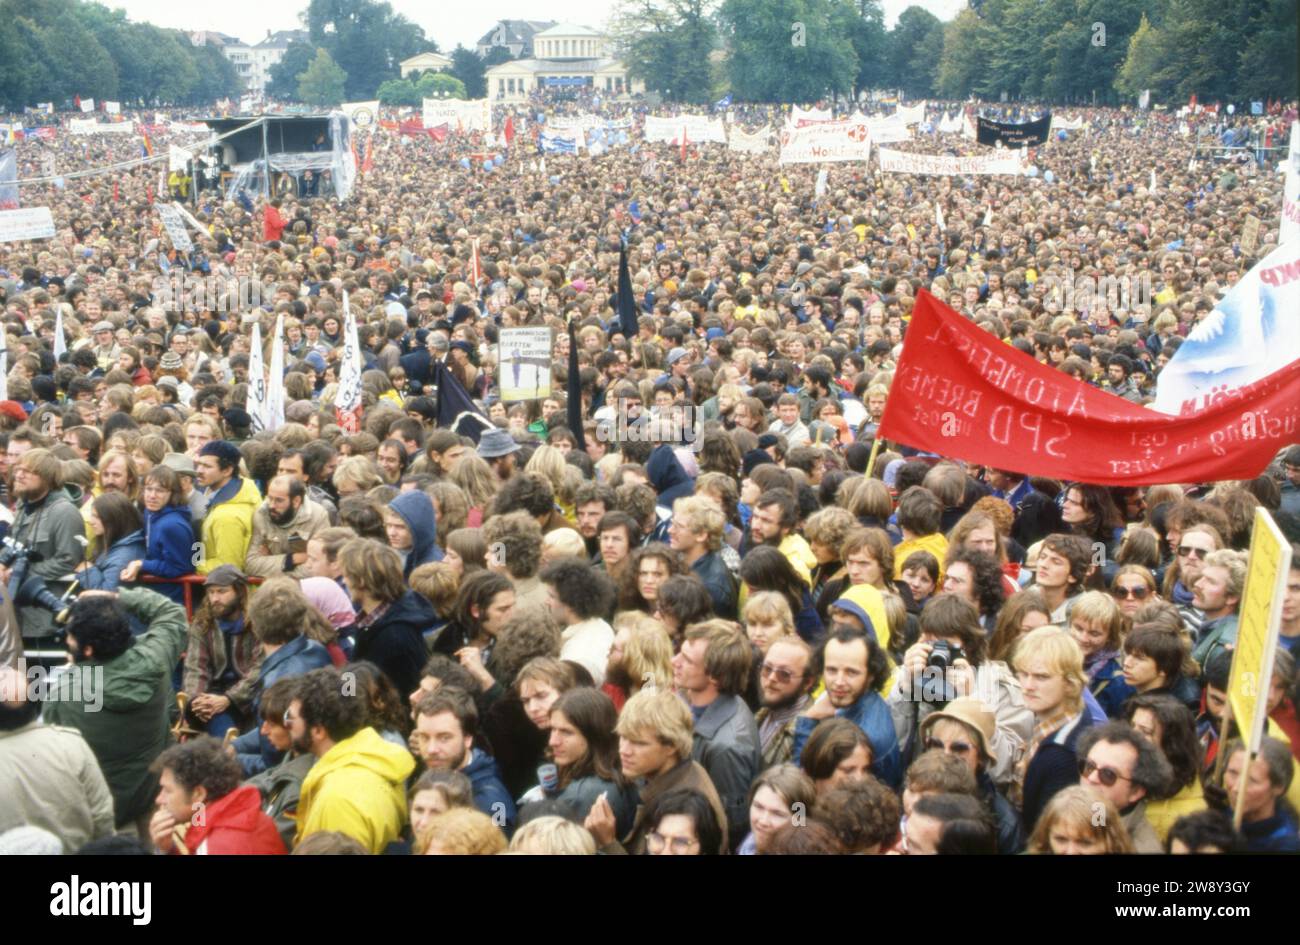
(1252, 332)
(943, 165)
(1259, 620)
(364, 115)
(887, 130)
(910, 114)
(174, 224)
(29, 223)
(1250, 234)
(474, 115)
(834, 141)
(83, 126)
(524, 356)
(803, 117)
(1289, 225)
(750, 142)
(8, 179)
(347, 402)
(1012, 135)
(959, 391)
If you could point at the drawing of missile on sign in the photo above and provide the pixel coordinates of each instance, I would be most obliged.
(525, 363)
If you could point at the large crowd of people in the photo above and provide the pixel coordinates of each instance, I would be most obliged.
(704, 610)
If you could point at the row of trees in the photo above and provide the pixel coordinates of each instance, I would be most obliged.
(53, 50)
(1059, 50)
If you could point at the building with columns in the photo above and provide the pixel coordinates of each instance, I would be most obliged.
(565, 56)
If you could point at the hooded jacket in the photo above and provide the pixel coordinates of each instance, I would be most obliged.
(234, 825)
(309, 519)
(395, 642)
(358, 789)
(125, 719)
(490, 795)
(49, 528)
(228, 525)
(667, 476)
(416, 510)
(868, 605)
(169, 547)
(106, 573)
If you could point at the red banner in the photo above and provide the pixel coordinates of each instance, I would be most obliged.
(962, 393)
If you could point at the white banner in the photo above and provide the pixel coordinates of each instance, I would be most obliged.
(256, 403)
(87, 104)
(1004, 161)
(835, 141)
(1252, 332)
(29, 223)
(525, 363)
(661, 130)
(1061, 123)
(83, 126)
(113, 108)
(177, 158)
(348, 397)
(88, 126)
(887, 130)
(950, 124)
(911, 115)
(174, 224)
(801, 117)
(703, 128)
(363, 114)
(753, 143)
(1289, 230)
(457, 115)
(273, 407)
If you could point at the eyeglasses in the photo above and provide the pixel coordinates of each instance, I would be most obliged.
(1130, 593)
(782, 675)
(1187, 550)
(956, 748)
(656, 841)
(1107, 776)
(289, 717)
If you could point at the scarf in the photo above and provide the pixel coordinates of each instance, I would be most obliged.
(1095, 663)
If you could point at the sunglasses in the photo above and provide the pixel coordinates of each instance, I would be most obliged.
(1107, 776)
(782, 675)
(1130, 593)
(1187, 550)
(956, 748)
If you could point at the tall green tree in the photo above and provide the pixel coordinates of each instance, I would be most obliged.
(470, 70)
(367, 40)
(283, 76)
(960, 65)
(863, 22)
(786, 50)
(915, 48)
(667, 44)
(324, 82)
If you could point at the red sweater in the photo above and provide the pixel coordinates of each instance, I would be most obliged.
(234, 825)
(272, 224)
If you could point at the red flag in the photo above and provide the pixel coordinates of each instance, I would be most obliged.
(76, 102)
(962, 393)
(115, 190)
(509, 131)
(368, 164)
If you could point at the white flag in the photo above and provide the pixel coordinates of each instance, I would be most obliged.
(60, 342)
(988, 217)
(938, 217)
(256, 379)
(819, 190)
(4, 366)
(273, 417)
(1290, 223)
(1151, 188)
(349, 395)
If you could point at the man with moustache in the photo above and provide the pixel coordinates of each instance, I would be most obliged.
(785, 686)
(282, 525)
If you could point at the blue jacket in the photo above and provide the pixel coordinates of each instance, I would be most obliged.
(106, 573)
(1110, 689)
(490, 795)
(871, 714)
(718, 581)
(1276, 834)
(395, 642)
(1055, 766)
(298, 656)
(667, 476)
(169, 551)
(416, 509)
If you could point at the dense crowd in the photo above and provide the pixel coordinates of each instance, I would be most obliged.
(702, 611)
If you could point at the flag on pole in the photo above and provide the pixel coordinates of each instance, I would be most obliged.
(823, 176)
(1289, 228)
(573, 390)
(455, 408)
(256, 379)
(1151, 187)
(938, 217)
(508, 132)
(684, 144)
(988, 217)
(368, 164)
(146, 146)
(347, 403)
(273, 407)
(475, 268)
(60, 342)
(625, 300)
(4, 367)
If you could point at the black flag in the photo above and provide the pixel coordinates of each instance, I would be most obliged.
(574, 391)
(456, 410)
(627, 320)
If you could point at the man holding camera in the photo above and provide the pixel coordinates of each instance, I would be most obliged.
(949, 662)
(46, 524)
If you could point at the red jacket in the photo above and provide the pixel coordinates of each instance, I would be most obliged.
(272, 224)
(235, 825)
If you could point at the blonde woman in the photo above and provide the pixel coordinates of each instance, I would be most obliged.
(640, 658)
(548, 462)
(767, 618)
(1080, 822)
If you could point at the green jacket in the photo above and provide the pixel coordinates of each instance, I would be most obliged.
(50, 529)
(121, 707)
(280, 787)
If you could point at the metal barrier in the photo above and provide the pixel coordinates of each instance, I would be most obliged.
(187, 582)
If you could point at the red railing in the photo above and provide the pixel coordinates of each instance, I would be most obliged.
(187, 582)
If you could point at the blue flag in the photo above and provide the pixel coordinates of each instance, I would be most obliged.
(723, 102)
(634, 211)
(626, 301)
(573, 388)
(456, 410)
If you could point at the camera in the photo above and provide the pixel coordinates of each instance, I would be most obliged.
(943, 655)
(32, 591)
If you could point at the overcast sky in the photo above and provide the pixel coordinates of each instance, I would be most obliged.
(448, 24)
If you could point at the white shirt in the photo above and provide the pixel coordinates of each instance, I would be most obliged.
(588, 643)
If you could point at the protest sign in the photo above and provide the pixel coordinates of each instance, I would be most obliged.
(834, 141)
(525, 363)
(29, 223)
(1004, 161)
